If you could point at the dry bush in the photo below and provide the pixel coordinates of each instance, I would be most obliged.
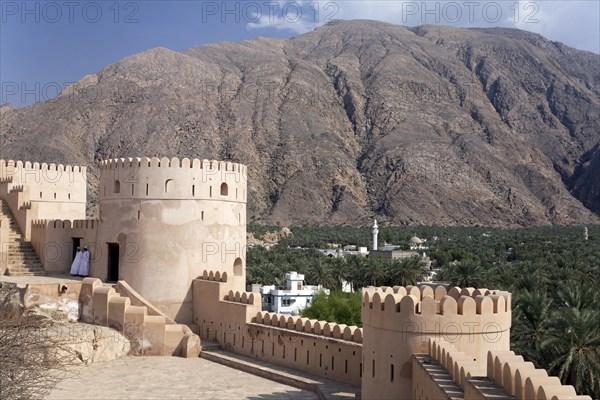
(34, 356)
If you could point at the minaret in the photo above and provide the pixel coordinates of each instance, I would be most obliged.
(375, 232)
(585, 233)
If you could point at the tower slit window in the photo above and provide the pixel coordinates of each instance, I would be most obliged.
(169, 185)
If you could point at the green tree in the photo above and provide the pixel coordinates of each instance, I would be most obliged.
(468, 273)
(572, 343)
(339, 307)
(407, 271)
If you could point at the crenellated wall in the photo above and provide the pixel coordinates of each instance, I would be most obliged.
(473, 320)
(198, 207)
(42, 191)
(173, 179)
(522, 380)
(318, 347)
(53, 243)
(219, 311)
(506, 376)
(234, 320)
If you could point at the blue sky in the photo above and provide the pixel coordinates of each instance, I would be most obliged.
(46, 45)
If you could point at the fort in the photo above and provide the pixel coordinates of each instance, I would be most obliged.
(169, 243)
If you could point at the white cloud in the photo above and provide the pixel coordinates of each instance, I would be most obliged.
(575, 23)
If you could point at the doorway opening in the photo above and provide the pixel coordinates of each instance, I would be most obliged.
(76, 244)
(113, 262)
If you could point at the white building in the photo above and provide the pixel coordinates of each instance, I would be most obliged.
(291, 300)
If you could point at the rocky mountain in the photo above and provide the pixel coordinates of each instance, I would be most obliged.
(353, 120)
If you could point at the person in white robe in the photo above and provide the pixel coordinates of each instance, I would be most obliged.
(76, 263)
(84, 268)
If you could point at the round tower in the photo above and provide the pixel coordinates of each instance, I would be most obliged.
(398, 322)
(164, 221)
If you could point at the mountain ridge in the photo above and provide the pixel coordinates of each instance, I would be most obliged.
(356, 119)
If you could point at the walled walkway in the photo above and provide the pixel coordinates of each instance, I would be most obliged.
(170, 378)
(326, 389)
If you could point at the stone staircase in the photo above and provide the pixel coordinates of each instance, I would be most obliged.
(149, 335)
(22, 259)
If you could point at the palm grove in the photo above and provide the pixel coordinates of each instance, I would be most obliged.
(552, 273)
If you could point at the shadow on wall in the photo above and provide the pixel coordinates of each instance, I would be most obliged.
(183, 313)
(288, 394)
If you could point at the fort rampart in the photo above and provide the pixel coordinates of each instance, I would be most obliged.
(473, 320)
(42, 191)
(234, 320)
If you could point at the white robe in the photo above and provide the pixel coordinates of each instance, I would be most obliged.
(76, 263)
(84, 269)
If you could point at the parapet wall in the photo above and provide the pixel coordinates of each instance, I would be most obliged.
(310, 326)
(164, 178)
(43, 191)
(19, 172)
(217, 306)
(412, 309)
(522, 380)
(473, 320)
(53, 242)
(506, 376)
(234, 320)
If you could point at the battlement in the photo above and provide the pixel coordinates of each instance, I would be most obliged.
(164, 162)
(213, 276)
(64, 224)
(154, 178)
(509, 372)
(522, 380)
(8, 166)
(421, 308)
(311, 326)
(237, 297)
(459, 365)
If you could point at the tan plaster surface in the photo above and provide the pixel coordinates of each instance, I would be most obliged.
(170, 378)
(40, 279)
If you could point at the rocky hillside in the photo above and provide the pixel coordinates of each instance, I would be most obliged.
(353, 120)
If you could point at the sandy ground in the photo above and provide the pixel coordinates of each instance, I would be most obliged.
(170, 378)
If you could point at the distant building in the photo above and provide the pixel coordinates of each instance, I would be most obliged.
(394, 254)
(416, 243)
(343, 253)
(294, 298)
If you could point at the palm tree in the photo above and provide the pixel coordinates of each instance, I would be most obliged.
(407, 271)
(356, 266)
(375, 271)
(339, 271)
(319, 273)
(530, 317)
(573, 344)
(468, 273)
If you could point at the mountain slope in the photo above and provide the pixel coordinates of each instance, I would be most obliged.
(355, 119)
